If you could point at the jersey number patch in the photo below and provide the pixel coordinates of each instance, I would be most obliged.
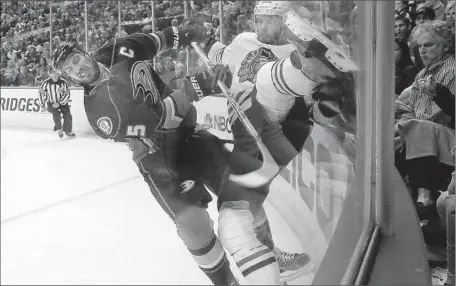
(124, 51)
(138, 131)
(252, 63)
(143, 84)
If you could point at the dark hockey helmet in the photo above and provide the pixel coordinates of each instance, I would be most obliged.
(65, 62)
(61, 53)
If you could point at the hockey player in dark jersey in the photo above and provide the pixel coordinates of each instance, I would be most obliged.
(125, 100)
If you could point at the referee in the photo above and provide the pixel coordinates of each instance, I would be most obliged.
(55, 96)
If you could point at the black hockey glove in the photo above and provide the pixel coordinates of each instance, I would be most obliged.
(198, 29)
(332, 89)
(222, 73)
(177, 37)
(329, 96)
(203, 84)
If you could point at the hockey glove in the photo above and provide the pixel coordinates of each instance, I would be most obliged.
(329, 96)
(190, 31)
(222, 73)
(203, 84)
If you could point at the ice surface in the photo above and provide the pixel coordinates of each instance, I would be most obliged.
(76, 211)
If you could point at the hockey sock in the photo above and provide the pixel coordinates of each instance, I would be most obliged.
(213, 262)
(256, 262)
(263, 229)
(195, 228)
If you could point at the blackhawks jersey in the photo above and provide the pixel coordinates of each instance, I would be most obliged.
(245, 55)
(279, 82)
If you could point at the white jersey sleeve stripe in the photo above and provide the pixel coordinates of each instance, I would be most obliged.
(245, 103)
(219, 56)
(275, 78)
(215, 54)
(243, 96)
(283, 81)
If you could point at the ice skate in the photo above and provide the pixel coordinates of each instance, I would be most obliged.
(292, 265)
(70, 134)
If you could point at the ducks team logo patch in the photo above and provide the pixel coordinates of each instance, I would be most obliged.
(144, 88)
(186, 186)
(105, 125)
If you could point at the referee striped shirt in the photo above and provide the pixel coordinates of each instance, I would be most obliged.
(421, 105)
(54, 92)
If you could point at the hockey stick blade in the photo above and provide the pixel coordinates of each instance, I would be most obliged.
(269, 169)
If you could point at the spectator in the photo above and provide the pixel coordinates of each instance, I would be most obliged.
(400, 6)
(169, 70)
(179, 76)
(159, 68)
(3, 77)
(449, 11)
(427, 129)
(438, 7)
(194, 66)
(39, 49)
(403, 26)
(25, 78)
(31, 55)
(182, 56)
(241, 24)
(12, 74)
(216, 22)
(405, 68)
(424, 14)
(41, 71)
(55, 96)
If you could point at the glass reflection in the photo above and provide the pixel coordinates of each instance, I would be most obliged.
(306, 121)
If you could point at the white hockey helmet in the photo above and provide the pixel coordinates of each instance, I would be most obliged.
(271, 8)
(277, 9)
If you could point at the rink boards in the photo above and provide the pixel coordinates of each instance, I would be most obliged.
(20, 107)
(308, 194)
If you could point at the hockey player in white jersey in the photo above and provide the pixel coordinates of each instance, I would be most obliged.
(284, 75)
(318, 70)
(243, 225)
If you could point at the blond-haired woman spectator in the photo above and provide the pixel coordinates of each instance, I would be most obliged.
(449, 11)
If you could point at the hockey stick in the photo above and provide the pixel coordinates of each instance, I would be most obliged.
(269, 168)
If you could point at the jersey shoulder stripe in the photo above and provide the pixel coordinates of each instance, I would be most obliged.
(279, 80)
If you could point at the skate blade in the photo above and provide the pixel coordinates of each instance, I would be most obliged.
(288, 276)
